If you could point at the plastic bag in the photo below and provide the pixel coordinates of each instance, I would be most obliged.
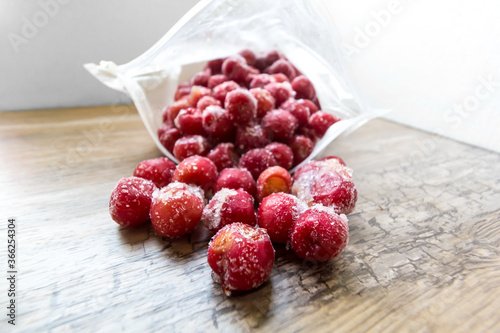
(219, 28)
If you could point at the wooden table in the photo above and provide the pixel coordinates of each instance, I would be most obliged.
(423, 253)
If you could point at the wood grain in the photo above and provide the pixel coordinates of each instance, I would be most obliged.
(423, 253)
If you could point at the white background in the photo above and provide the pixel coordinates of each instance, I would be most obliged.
(426, 60)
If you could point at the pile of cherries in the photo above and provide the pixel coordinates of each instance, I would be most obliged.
(246, 108)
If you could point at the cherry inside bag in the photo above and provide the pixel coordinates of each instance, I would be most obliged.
(299, 30)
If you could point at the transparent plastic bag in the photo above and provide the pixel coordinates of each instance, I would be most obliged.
(218, 28)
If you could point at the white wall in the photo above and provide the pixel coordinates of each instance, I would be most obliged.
(428, 61)
(45, 69)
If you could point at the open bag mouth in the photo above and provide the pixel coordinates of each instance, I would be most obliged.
(214, 29)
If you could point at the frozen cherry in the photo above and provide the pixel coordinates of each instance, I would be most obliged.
(265, 60)
(280, 124)
(281, 91)
(321, 121)
(332, 157)
(280, 77)
(176, 209)
(189, 121)
(169, 137)
(303, 87)
(215, 80)
(183, 89)
(158, 170)
(172, 111)
(236, 68)
(301, 147)
(228, 206)
(319, 234)
(201, 78)
(130, 201)
(220, 91)
(282, 154)
(241, 257)
(273, 180)
(197, 92)
(224, 156)
(282, 66)
(206, 101)
(261, 80)
(251, 137)
(277, 214)
(249, 56)
(307, 132)
(265, 101)
(189, 146)
(217, 123)
(196, 170)
(328, 183)
(242, 106)
(309, 104)
(298, 110)
(257, 160)
(215, 66)
(236, 179)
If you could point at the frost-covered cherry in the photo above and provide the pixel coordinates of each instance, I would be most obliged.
(196, 170)
(319, 234)
(301, 147)
(183, 89)
(309, 104)
(235, 178)
(158, 170)
(241, 257)
(201, 78)
(265, 101)
(242, 106)
(172, 111)
(189, 146)
(282, 154)
(277, 214)
(224, 156)
(298, 110)
(257, 160)
(308, 133)
(236, 68)
(303, 87)
(169, 137)
(265, 60)
(282, 66)
(197, 92)
(280, 125)
(130, 201)
(215, 80)
(333, 157)
(189, 121)
(280, 77)
(281, 91)
(229, 206)
(321, 121)
(273, 180)
(217, 123)
(176, 209)
(261, 80)
(215, 66)
(206, 101)
(249, 56)
(220, 91)
(328, 183)
(251, 137)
